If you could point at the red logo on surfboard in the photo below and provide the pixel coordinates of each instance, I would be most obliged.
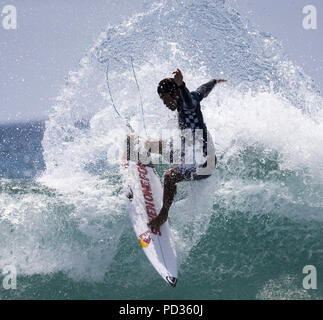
(148, 196)
(145, 239)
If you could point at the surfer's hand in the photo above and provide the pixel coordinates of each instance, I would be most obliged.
(159, 220)
(220, 80)
(133, 137)
(178, 77)
(149, 144)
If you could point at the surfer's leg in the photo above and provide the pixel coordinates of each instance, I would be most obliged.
(171, 177)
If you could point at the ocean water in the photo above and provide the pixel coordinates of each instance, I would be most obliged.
(245, 233)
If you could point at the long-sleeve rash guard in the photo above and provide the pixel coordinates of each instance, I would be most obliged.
(189, 112)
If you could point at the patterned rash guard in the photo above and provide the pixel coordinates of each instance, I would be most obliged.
(189, 112)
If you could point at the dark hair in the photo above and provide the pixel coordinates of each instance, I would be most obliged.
(167, 85)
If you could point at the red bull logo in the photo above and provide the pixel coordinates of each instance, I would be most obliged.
(145, 239)
(148, 196)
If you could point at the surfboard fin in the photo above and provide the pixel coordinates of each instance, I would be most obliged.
(172, 281)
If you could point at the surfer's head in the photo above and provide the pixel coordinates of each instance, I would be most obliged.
(169, 93)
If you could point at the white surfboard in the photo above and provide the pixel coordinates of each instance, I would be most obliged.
(144, 190)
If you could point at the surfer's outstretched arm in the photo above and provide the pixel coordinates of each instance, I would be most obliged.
(204, 90)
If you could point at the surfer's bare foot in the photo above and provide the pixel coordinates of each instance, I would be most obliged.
(160, 219)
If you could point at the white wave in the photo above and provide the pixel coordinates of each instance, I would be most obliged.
(267, 102)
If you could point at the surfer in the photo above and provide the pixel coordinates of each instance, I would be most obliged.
(176, 96)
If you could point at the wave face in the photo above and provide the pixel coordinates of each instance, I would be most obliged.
(245, 233)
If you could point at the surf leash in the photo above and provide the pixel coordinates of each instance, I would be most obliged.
(140, 95)
(112, 101)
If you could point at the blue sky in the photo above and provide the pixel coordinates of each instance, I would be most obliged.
(53, 35)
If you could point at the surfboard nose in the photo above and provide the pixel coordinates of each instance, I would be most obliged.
(172, 281)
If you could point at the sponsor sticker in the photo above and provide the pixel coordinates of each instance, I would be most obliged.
(145, 239)
(148, 196)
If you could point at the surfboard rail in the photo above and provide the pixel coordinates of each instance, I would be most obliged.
(144, 192)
